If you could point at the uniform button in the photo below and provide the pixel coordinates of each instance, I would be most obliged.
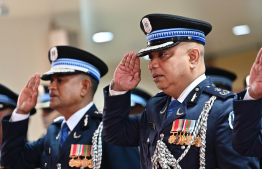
(58, 166)
(162, 136)
(183, 147)
(148, 140)
(45, 164)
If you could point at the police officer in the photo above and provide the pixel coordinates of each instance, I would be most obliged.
(74, 141)
(185, 126)
(48, 114)
(139, 99)
(247, 124)
(8, 102)
(220, 77)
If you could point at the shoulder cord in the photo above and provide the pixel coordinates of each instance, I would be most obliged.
(96, 151)
(164, 157)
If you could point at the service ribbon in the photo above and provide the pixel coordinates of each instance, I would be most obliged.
(73, 151)
(192, 126)
(86, 150)
(180, 125)
(175, 125)
(186, 125)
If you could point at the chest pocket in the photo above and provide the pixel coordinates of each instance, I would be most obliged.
(148, 148)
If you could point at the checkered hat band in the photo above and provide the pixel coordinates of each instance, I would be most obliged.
(64, 63)
(176, 32)
(6, 99)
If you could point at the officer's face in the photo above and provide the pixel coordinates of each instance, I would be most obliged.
(65, 93)
(170, 69)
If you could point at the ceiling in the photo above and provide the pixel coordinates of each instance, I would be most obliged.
(122, 18)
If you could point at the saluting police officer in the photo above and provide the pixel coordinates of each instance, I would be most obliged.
(8, 102)
(185, 126)
(247, 125)
(74, 141)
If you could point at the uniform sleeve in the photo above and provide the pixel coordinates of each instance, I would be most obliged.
(247, 132)
(226, 156)
(118, 128)
(15, 151)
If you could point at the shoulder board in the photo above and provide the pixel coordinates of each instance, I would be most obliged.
(221, 93)
(59, 119)
(97, 114)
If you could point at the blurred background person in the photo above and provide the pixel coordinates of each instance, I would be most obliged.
(221, 78)
(48, 114)
(139, 100)
(246, 81)
(8, 102)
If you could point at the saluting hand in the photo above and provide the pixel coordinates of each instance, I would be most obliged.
(255, 79)
(28, 97)
(127, 73)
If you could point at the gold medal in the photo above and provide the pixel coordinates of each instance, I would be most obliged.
(179, 139)
(78, 162)
(171, 139)
(183, 139)
(198, 141)
(90, 163)
(84, 163)
(188, 139)
(72, 162)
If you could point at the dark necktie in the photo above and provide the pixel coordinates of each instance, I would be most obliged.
(172, 106)
(63, 134)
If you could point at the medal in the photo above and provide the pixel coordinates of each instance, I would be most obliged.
(72, 155)
(172, 139)
(178, 139)
(183, 139)
(197, 141)
(90, 163)
(72, 162)
(78, 150)
(185, 129)
(84, 162)
(78, 162)
(192, 125)
(87, 151)
(188, 139)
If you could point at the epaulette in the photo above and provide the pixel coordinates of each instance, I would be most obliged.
(58, 120)
(221, 93)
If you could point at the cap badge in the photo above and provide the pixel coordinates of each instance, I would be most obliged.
(147, 25)
(53, 54)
